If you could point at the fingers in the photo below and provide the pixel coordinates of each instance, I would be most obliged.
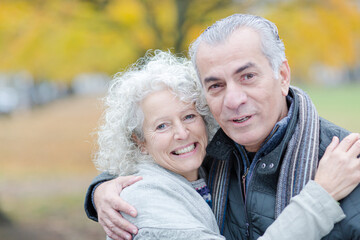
(119, 204)
(354, 150)
(348, 142)
(115, 225)
(109, 203)
(105, 191)
(116, 233)
(339, 169)
(115, 236)
(118, 228)
(122, 227)
(334, 143)
(122, 206)
(128, 180)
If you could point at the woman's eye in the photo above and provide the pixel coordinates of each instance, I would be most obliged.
(161, 126)
(189, 116)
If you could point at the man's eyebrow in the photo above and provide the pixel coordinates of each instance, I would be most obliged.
(246, 66)
(210, 79)
(239, 70)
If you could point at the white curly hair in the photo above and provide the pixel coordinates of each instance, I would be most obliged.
(123, 118)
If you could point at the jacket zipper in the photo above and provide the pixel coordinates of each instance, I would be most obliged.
(244, 182)
(247, 221)
(244, 192)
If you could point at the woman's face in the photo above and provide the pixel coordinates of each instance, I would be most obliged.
(175, 134)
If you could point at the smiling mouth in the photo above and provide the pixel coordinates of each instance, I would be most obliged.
(185, 149)
(240, 120)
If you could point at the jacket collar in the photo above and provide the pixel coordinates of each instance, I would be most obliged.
(221, 146)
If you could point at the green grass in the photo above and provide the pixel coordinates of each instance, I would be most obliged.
(340, 104)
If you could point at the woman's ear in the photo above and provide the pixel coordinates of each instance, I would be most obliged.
(140, 144)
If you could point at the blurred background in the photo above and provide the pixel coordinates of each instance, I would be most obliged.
(57, 56)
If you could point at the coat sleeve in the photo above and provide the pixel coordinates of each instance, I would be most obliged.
(88, 204)
(310, 215)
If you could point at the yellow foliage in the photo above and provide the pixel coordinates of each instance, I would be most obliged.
(166, 17)
(322, 32)
(126, 12)
(144, 37)
(165, 11)
(59, 39)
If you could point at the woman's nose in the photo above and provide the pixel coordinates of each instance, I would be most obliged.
(181, 131)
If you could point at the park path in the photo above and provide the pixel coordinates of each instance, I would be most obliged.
(45, 168)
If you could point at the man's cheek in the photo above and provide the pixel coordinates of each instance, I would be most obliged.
(214, 108)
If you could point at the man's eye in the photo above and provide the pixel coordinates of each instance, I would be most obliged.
(214, 86)
(249, 76)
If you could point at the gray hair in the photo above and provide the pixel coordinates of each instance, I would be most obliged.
(271, 45)
(117, 152)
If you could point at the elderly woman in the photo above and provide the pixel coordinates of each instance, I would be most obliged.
(157, 126)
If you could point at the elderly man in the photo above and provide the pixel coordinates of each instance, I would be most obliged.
(270, 139)
(270, 132)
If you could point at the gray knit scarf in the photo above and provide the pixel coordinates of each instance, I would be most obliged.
(301, 157)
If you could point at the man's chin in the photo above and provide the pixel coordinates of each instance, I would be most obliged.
(248, 140)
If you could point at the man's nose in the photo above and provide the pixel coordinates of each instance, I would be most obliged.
(234, 96)
(180, 131)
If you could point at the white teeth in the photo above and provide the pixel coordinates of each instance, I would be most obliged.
(241, 119)
(185, 150)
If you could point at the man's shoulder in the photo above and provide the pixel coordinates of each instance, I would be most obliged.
(327, 131)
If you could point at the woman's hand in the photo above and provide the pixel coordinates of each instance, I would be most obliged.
(108, 204)
(339, 168)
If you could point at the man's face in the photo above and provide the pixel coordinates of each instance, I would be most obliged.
(241, 89)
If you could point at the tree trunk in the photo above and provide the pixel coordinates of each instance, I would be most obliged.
(4, 220)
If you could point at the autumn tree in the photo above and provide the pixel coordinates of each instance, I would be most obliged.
(318, 32)
(4, 220)
(61, 38)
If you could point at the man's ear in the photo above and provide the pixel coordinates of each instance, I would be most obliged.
(285, 76)
(140, 144)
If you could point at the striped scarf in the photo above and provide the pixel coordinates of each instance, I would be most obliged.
(301, 157)
(219, 183)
